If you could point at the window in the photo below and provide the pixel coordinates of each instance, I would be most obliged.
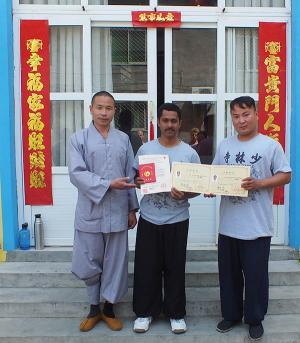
(128, 46)
(255, 3)
(194, 60)
(66, 118)
(119, 2)
(242, 60)
(66, 76)
(188, 2)
(66, 59)
(51, 2)
(119, 60)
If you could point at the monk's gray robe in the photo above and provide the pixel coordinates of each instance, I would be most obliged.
(100, 255)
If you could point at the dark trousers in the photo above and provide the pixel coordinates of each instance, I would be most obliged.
(244, 262)
(160, 254)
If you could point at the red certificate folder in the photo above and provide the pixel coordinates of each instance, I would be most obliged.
(147, 172)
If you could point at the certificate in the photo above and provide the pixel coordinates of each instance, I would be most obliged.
(204, 178)
(191, 177)
(162, 180)
(227, 180)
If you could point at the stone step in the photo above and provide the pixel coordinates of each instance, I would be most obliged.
(72, 302)
(198, 274)
(278, 329)
(201, 253)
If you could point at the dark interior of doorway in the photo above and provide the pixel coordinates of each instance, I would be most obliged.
(160, 66)
(160, 69)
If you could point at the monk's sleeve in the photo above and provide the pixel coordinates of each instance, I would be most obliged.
(90, 184)
(130, 172)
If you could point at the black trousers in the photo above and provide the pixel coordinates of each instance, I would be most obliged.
(244, 263)
(160, 254)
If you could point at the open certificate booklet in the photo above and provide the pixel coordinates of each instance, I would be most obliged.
(155, 170)
(205, 178)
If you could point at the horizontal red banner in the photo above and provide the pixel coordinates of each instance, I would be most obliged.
(156, 19)
(36, 124)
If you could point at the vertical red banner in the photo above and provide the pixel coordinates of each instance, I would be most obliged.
(36, 123)
(272, 86)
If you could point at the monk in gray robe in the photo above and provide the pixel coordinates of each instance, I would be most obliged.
(100, 167)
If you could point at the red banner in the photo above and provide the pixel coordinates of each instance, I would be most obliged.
(156, 19)
(36, 125)
(272, 87)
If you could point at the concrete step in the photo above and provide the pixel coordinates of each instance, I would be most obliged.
(201, 253)
(72, 302)
(278, 329)
(198, 274)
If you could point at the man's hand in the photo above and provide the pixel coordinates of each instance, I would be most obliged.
(209, 195)
(131, 220)
(121, 183)
(139, 181)
(251, 184)
(276, 180)
(176, 194)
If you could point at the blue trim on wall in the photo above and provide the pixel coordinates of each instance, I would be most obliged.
(7, 128)
(294, 229)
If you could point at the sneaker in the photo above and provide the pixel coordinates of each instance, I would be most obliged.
(256, 332)
(226, 325)
(178, 325)
(141, 324)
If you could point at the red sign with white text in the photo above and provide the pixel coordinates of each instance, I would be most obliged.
(156, 19)
(36, 124)
(272, 86)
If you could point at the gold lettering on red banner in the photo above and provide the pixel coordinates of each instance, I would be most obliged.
(35, 102)
(34, 45)
(34, 82)
(37, 160)
(36, 122)
(272, 85)
(156, 19)
(37, 179)
(272, 100)
(170, 17)
(272, 47)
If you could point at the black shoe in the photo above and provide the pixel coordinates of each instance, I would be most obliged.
(94, 311)
(256, 332)
(226, 325)
(108, 310)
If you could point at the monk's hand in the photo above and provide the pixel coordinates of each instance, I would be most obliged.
(121, 183)
(139, 181)
(251, 184)
(176, 194)
(131, 220)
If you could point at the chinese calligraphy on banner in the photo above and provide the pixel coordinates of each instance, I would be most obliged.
(36, 125)
(156, 19)
(272, 86)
